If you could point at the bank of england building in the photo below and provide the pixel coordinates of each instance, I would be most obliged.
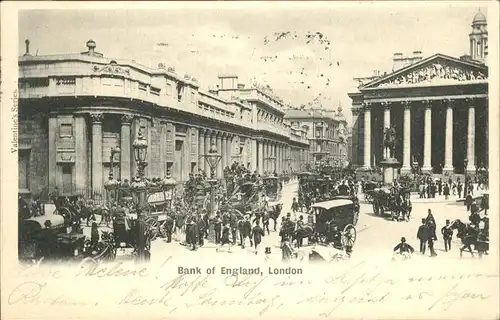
(75, 108)
(438, 106)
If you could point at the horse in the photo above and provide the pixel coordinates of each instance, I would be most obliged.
(274, 213)
(389, 142)
(301, 233)
(469, 237)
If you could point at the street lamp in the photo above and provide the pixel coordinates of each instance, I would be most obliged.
(138, 187)
(212, 157)
(168, 187)
(112, 184)
(466, 162)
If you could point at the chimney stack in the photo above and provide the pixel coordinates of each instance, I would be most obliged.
(398, 61)
(27, 42)
(417, 56)
(228, 81)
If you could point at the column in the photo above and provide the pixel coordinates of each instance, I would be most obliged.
(448, 143)
(228, 150)
(201, 148)
(387, 123)
(97, 178)
(125, 165)
(280, 158)
(81, 161)
(52, 152)
(260, 157)
(254, 160)
(208, 143)
(427, 166)
(406, 136)
(223, 152)
(219, 150)
(471, 134)
(367, 137)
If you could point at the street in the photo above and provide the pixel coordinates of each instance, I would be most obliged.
(376, 236)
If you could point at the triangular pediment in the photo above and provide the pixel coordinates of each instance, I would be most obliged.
(438, 69)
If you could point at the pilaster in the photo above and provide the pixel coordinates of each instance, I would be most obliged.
(125, 143)
(97, 176)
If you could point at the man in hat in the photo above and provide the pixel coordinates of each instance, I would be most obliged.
(287, 250)
(257, 234)
(225, 238)
(447, 233)
(217, 227)
(245, 230)
(300, 226)
(169, 226)
(234, 225)
(423, 235)
(403, 247)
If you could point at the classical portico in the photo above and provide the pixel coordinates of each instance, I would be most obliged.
(439, 108)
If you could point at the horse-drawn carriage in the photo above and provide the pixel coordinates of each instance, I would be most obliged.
(473, 236)
(49, 237)
(395, 200)
(272, 188)
(368, 188)
(334, 222)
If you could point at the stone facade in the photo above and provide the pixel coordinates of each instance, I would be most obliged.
(438, 106)
(326, 131)
(74, 108)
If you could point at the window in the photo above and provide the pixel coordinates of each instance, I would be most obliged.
(169, 89)
(178, 145)
(155, 91)
(67, 178)
(24, 162)
(66, 130)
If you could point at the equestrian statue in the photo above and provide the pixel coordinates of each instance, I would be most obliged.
(389, 142)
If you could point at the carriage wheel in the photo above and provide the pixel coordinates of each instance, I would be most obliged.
(348, 236)
(151, 228)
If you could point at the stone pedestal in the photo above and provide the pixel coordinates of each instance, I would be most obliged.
(390, 170)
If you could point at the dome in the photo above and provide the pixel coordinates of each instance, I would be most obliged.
(479, 18)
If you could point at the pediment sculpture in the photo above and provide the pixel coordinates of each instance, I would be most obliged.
(435, 73)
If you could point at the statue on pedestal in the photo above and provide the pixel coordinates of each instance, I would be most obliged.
(389, 142)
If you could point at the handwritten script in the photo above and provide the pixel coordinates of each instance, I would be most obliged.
(323, 293)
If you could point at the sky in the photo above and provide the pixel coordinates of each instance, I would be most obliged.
(303, 51)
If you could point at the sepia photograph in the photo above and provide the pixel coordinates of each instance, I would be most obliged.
(300, 160)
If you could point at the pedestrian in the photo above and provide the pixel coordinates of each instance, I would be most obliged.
(447, 233)
(217, 228)
(431, 224)
(459, 189)
(403, 248)
(468, 201)
(257, 234)
(224, 239)
(201, 231)
(169, 226)
(245, 230)
(300, 228)
(265, 222)
(287, 250)
(295, 206)
(440, 186)
(423, 236)
(234, 226)
(446, 191)
(94, 235)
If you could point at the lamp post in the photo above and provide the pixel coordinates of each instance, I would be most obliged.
(212, 157)
(168, 187)
(112, 184)
(138, 187)
(466, 162)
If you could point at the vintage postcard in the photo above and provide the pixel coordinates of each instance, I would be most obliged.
(308, 160)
